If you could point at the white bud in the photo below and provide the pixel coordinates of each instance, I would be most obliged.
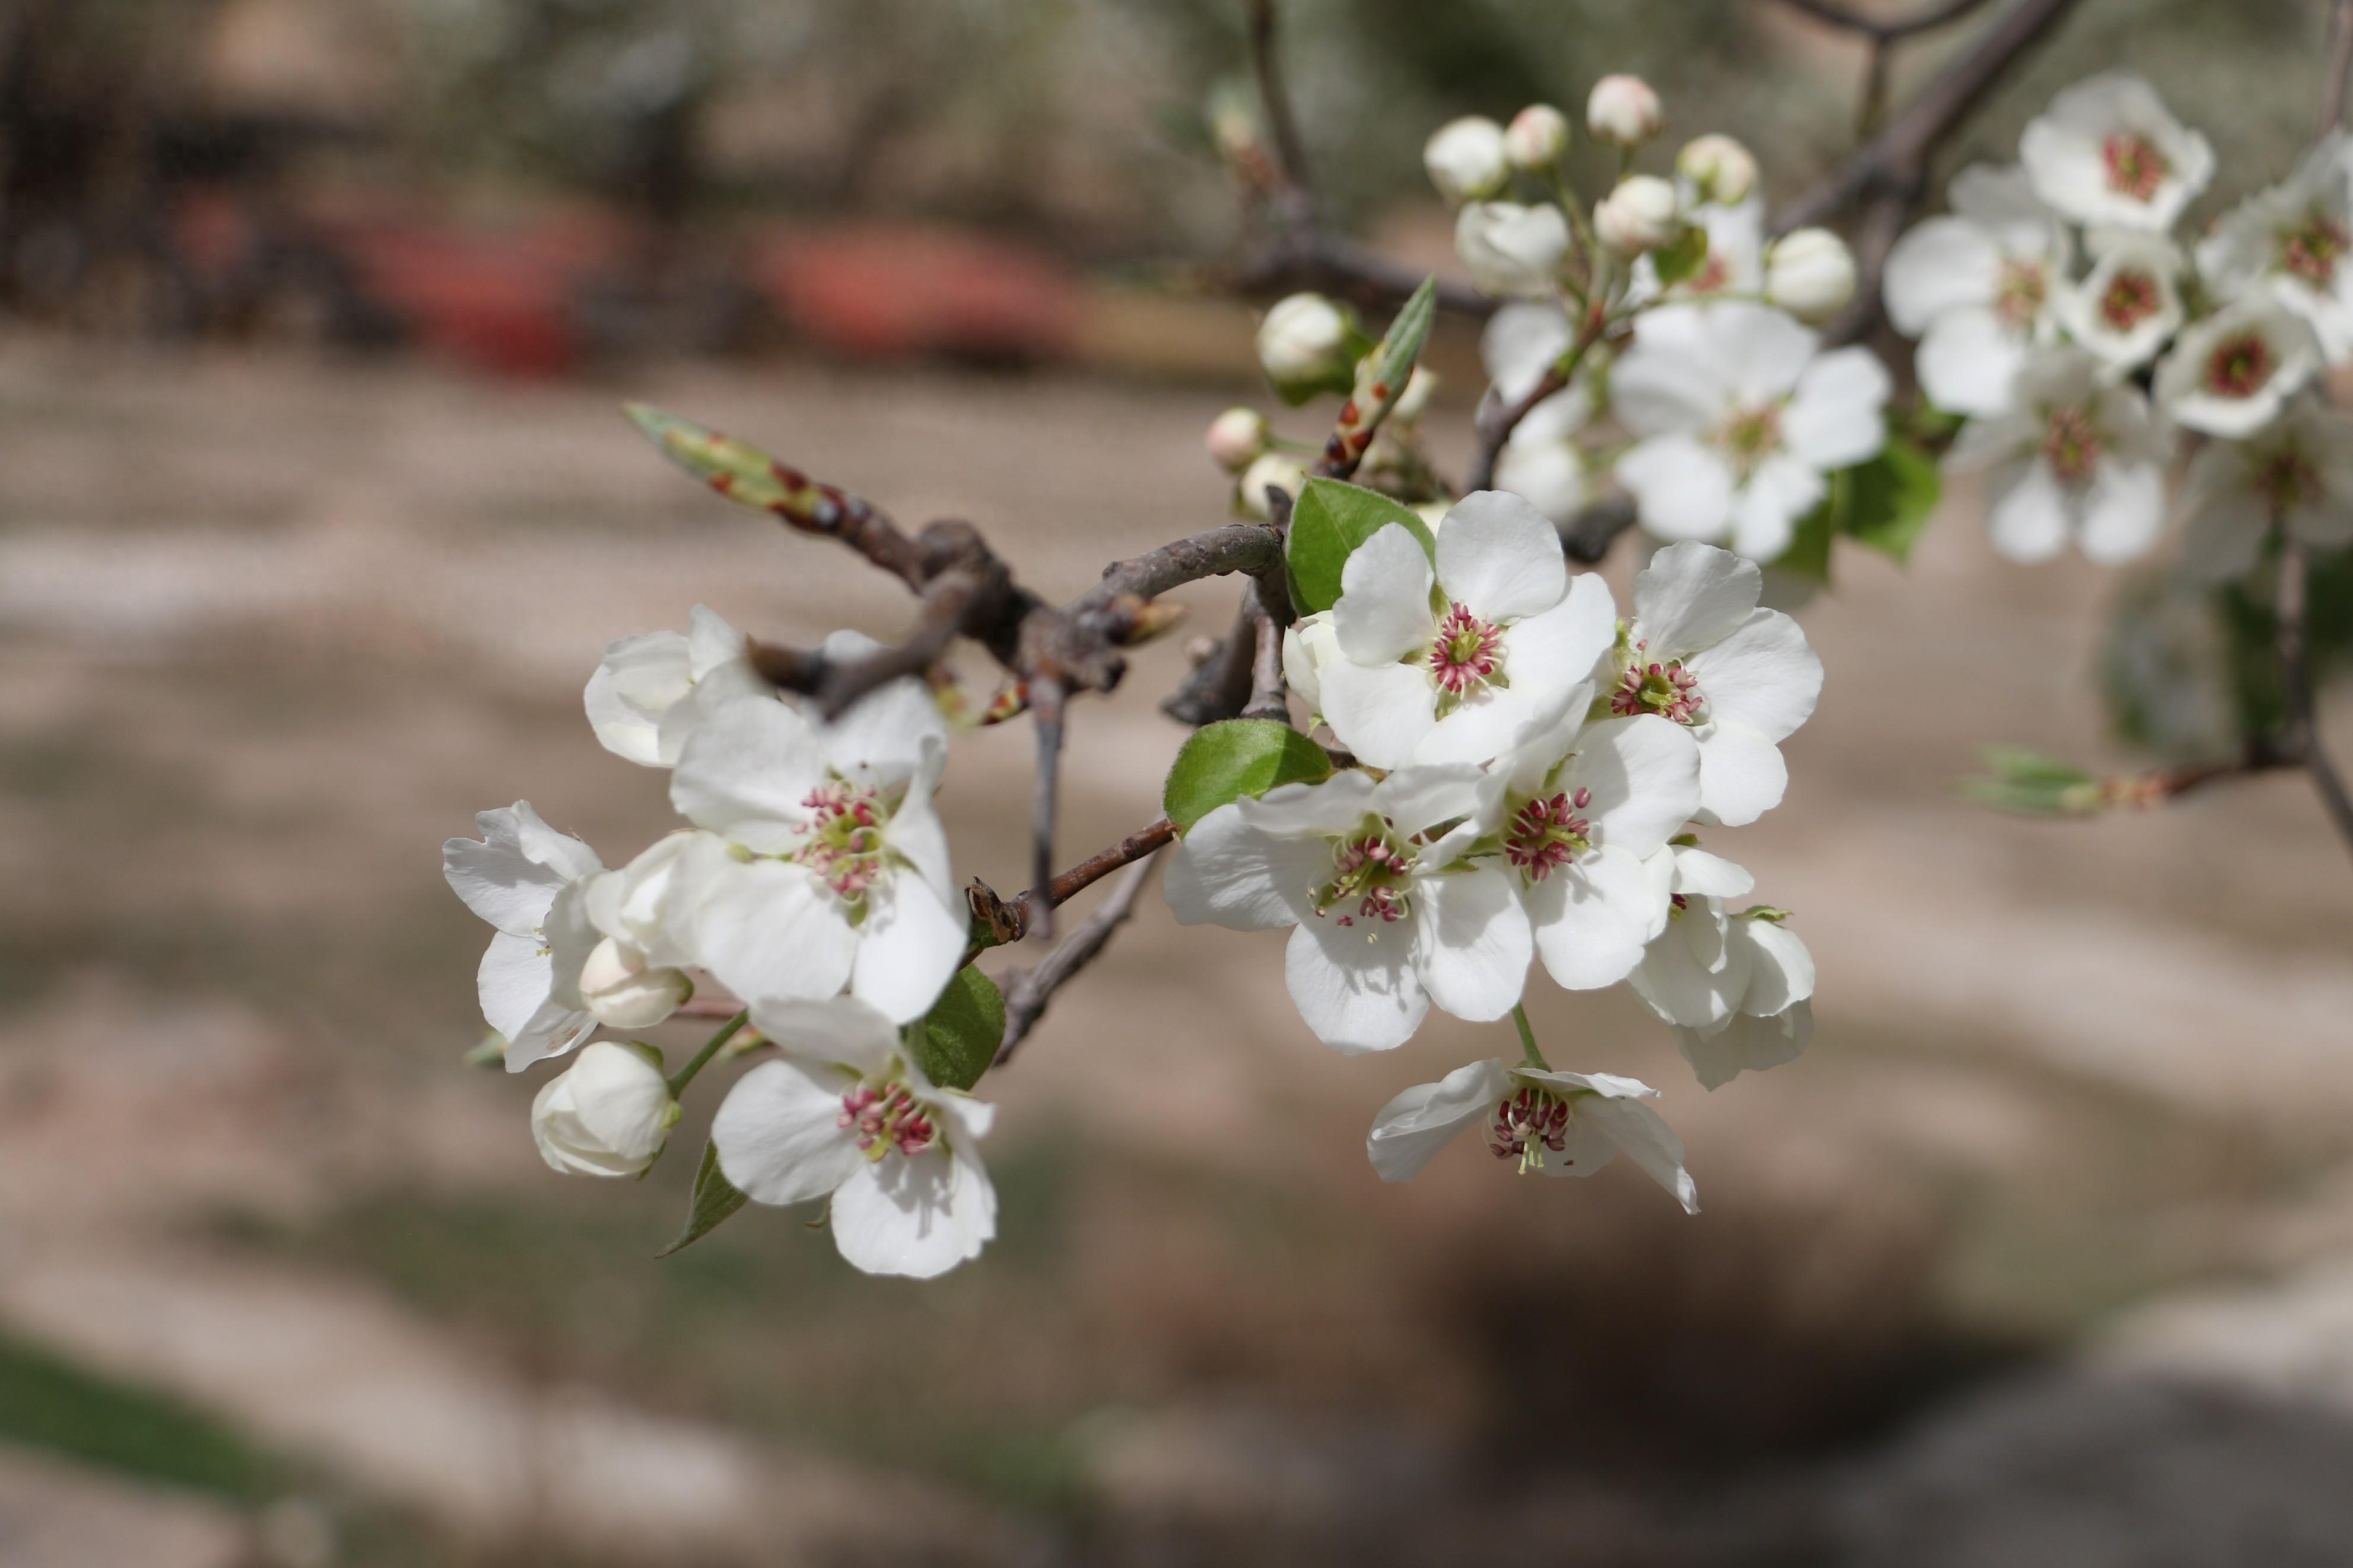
(1308, 645)
(1511, 250)
(609, 1115)
(622, 992)
(1236, 438)
(1465, 159)
(1641, 215)
(1810, 273)
(1535, 138)
(1719, 168)
(1283, 471)
(1623, 110)
(1415, 398)
(1304, 343)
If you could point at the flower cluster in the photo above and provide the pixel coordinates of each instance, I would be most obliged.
(2057, 310)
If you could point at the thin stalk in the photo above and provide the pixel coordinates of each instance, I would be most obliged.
(685, 1075)
(1528, 1039)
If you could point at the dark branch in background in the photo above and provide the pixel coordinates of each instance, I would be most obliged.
(1494, 423)
(2340, 66)
(1587, 537)
(1889, 30)
(1046, 707)
(2296, 675)
(1219, 686)
(1028, 991)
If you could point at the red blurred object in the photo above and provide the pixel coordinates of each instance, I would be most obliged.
(898, 291)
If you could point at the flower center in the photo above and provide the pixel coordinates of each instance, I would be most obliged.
(2313, 251)
(2130, 299)
(1714, 274)
(1369, 872)
(1665, 688)
(1545, 834)
(2286, 478)
(1528, 1123)
(886, 1116)
(1466, 652)
(1751, 436)
(2070, 445)
(2136, 168)
(2018, 294)
(845, 843)
(2239, 366)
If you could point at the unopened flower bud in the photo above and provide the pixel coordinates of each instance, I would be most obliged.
(1236, 438)
(609, 1115)
(1284, 472)
(1623, 110)
(1641, 215)
(1465, 159)
(1513, 251)
(1415, 398)
(1810, 273)
(1719, 168)
(1535, 138)
(623, 991)
(1304, 346)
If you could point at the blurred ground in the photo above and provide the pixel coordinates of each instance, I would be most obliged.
(2040, 1256)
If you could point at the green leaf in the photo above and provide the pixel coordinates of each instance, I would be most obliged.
(2032, 785)
(1225, 762)
(963, 1030)
(1682, 258)
(1809, 555)
(715, 1197)
(1890, 499)
(1331, 520)
(1402, 345)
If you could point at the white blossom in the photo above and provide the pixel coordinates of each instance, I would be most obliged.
(1521, 341)
(1536, 138)
(1541, 462)
(607, 1115)
(1309, 643)
(1453, 677)
(2298, 475)
(2108, 152)
(2079, 458)
(1736, 987)
(1735, 263)
(622, 991)
(1387, 916)
(2294, 238)
(1280, 471)
(1739, 419)
(1701, 653)
(1642, 214)
(1810, 273)
(2231, 373)
(1623, 110)
(1977, 287)
(1236, 438)
(838, 871)
(845, 1114)
(1720, 169)
(1304, 343)
(1466, 160)
(529, 882)
(1513, 251)
(653, 689)
(2126, 308)
(1554, 1123)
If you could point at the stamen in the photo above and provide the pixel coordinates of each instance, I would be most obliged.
(2019, 293)
(1369, 871)
(1750, 436)
(1528, 1123)
(1666, 688)
(2136, 168)
(1545, 834)
(2070, 445)
(2313, 251)
(2130, 299)
(845, 845)
(1466, 652)
(886, 1117)
(2239, 366)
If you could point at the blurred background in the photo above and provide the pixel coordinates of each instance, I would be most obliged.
(316, 510)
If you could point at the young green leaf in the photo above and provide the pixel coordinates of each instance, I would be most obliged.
(1890, 499)
(1682, 258)
(961, 1034)
(1330, 520)
(1402, 344)
(1227, 761)
(715, 1197)
(1809, 555)
(2031, 784)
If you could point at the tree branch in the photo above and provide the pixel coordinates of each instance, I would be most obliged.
(1219, 686)
(1878, 30)
(2296, 677)
(1029, 991)
(1494, 423)
(2340, 66)
(1046, 707)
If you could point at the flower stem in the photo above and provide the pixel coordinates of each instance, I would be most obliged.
(1528, 1039)
(685, 1075)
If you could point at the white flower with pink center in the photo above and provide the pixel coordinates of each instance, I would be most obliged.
(2233, 372)
(1578, 810)
(1739, 419)
(1446, 664)
(1387, 915)
(1978, 287)
(2129, 303)
(651, 691)
(1541, 1121)
(1736, 987)
(2079, 458)
(529, 882)
(2296, 240)
(2108, 153)
(2296, 475)
(845, 1114)
(837, 870)
(1702, 655)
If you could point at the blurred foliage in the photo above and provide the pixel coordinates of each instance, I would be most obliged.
(50, 1403)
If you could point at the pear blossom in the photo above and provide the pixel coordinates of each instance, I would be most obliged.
(1747, 1042)
(1304, 346)
(837, 870)
(1578, 811)
(1642, 214)
(2296, 475)
(653, 689)
(2126, 308)
(1735, 263)
(1701, 653)
(2079, 459)
(1466, 159)
(607, 1115)
(1237, 438)
(1540, 461)
(1387, 916)
(2231, 373)
(1554, 1123)
(1535, 138)
(1720, 169)
(1453, 677)
(1512, 251)
(2108, 152)
(1623, 110)
(1810, 273)
(1977, 287)
(622, 991)
(2295, 239)
(1697, 974)
(847, 1113)
(1309, 643)
(1739, 419)
(528, 881)
(1521, 341)
(1276, 470)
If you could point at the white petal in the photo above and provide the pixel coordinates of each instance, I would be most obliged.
(1593, 919)
(1644, 1137)
(1560, 647)
(1357, 994)
(1383, 613)
(1766, 511)
(1296, 810)
(1698, 874)
(1969, 361)
(1482, 726)
(1746, 1045)
(2029, 519)
(1690, 596)
(1643, 771)
(1835, 418)
(745, 772)
(1521, 341)
(835, 1029)
(770, 928)
(915, 833)
(512, 981)
(1672, 380)
(1682, 487)
(1764, 676)
(1417, 798)
(496, 878)
(1499, 557)
(1471, 943)
(778, 1133)
(2124, 512)
(908, 946)
(1380, 712)
(1944, 264)
(882, 738)
(1780, 970)
(1410, 1130)
(918, 1217)
(1741, 774)
(1225, 872)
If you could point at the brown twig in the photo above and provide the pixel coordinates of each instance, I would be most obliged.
(1219, 686)
(1007, 920)
(1882, 30)
(1029, 991)
(2340, 66)
(1587, 537)
(1046, 707)
(1494, 423)
(2296, 678)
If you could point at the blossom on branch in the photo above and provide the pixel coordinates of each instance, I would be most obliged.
(1978, 288)
(651, 690)
(2231, 373)
(1553, 1124)
(2079, 459)
(529, 882)
(2296, 240)
(2297, 475)
(607, 1115)
(2107, 151)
